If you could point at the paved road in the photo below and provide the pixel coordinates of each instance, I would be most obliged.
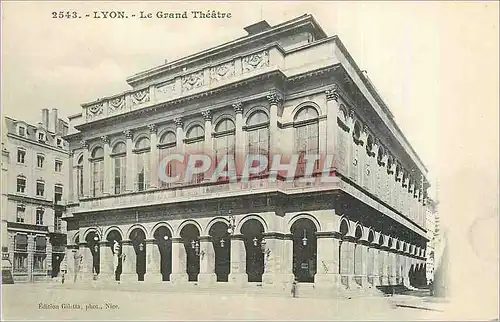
(30, 302)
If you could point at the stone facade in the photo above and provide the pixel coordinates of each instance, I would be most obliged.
(297, 90)
(34, 192)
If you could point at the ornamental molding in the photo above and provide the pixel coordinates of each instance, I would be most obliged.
(207, 115)
(178, 122)
(105, 139)
(274, 98)
(153, 128)
(238, 107)
(128, 134)
(332, 93)
(84, 144)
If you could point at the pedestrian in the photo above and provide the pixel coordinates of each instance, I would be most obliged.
(294, 288)
(431, 287)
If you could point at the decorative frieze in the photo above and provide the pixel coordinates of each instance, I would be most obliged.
(166, 89)
(192, 81)
(140, 97)
(116, 104)
(222, 71)
(95, 110)
(255, 61)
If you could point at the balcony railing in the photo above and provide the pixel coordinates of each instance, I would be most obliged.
(200, 191)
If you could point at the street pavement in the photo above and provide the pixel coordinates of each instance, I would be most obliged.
(46, 302)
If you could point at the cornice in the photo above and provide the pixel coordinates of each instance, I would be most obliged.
(45, 146)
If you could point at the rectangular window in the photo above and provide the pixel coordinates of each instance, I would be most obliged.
(40, 188)
(58, 191)
(21, 154)
(22, 131)
(21, 184)
(59, 142)
(120, 175)
(21, 209)
(39, 160)
(39, 216)
(58, 221)
(20, 264)
(41, 137)
(97, 178)
(58, 166)
(143, 174)
(39, 255)
(79, 180)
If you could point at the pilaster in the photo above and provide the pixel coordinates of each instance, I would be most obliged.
(86, 168)
(207, 261)
(153, 272)
(238, 275)
(327, 274)
(108, 174)
(153, 180)
(106, 262)
(239, 138)
(130, 177)
(274, 100)
(332, 97)
(179, 274)
(129, 273)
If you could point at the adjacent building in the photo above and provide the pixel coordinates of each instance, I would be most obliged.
(433, 230)
(34, 192)
(287, 89)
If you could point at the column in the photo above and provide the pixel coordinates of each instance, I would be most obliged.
(179, 274)
(87, 175)
(108, 174)
(130, 177)
(179, 147)
(86, 265)
(238, 275)
(129, 273)
(332, 110)
(208, 148)
(376, 264)
(274, 100)
(239, 138)
(153, 180)
(273, 261)
(287, 261)
(31, 249)
(350, 146)
(351, 281)
(385, 266)
(364, 263)
(153, 272)
(70, 251)
(375, 170)
(207, 261)
(106, 273)
(327, 274)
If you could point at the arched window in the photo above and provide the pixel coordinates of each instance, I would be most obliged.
(306, 137)
(119, 155)
(168, 143)
(195, 139)
(258, 134)
(79, 176)
(97, 161)
(143, 162)
(224, 139)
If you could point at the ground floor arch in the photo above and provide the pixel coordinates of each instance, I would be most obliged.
(252, 231)
(190, 236)
(221, 244)
(163, 240)
(138, 240)
(304, 263)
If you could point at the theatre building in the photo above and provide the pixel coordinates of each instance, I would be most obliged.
(287, 89)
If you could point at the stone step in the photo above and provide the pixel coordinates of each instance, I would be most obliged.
(303, 291)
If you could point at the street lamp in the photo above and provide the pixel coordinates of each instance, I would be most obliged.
(304, 239)
(222, 242)
(196, 246)
(165, 238)
(141, 247)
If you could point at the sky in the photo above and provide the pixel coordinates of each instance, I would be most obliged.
(434, 63)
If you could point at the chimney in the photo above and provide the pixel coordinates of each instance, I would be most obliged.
(53, 121)
(45, 118)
